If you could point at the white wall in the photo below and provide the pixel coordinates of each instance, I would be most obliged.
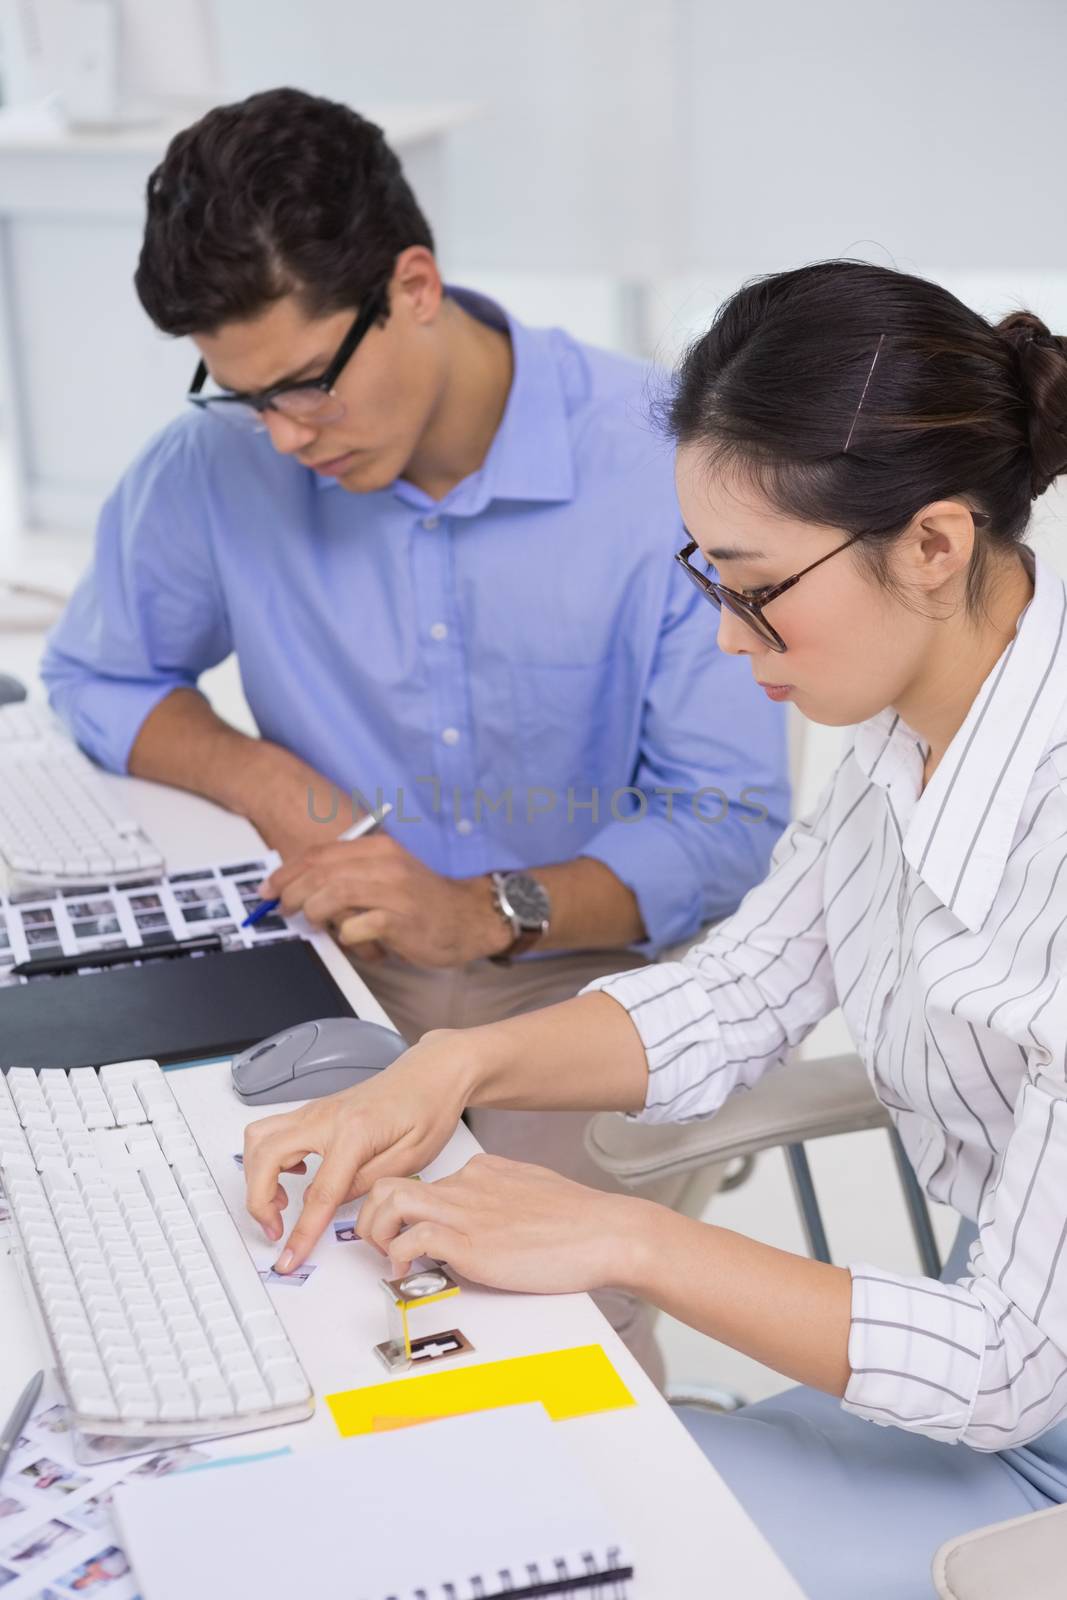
(639, 136)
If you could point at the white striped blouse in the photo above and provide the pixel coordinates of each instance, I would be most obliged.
(937, 920)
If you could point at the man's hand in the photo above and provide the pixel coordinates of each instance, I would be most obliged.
(373, 891)
(394, 1123)
(511, 1226)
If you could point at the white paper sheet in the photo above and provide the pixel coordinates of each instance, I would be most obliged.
(375, 1516)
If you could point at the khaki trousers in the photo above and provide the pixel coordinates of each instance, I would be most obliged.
(419, 998)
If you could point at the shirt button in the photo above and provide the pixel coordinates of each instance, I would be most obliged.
(430, 523)
(439, 631)
(464, 826)
(450, 735)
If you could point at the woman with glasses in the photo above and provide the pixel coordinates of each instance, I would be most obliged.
(857, 457)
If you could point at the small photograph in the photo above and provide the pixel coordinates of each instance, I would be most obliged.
(145, 902)
(90, 908)
(95, 1512)
(212, 911)
(288, 1280)
(344, 1230)
(5, 940)
(96, 928)
(38, 917)
(152, 919)
(162, 937)
(95, 1574)
(26, 898)
(47, 1474)
(50, 1536)
(39, 936)
(197, 893)
(5, 1216)
(55, 1419)
(242, 868)
(270, 924)
(168, 1461)
(10, 1507)
(83, 891)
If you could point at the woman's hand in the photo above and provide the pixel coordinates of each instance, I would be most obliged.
(511, 1226)
(391, 1125)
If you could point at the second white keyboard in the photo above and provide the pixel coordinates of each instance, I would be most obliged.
(158, 1319)
(58, 824)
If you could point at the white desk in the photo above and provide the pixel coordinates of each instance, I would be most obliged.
(688, 1535)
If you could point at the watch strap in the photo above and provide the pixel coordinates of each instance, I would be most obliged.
(525, 938)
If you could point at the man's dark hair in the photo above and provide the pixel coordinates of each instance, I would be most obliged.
(281, 193)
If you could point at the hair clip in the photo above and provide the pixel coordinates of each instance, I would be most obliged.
(863, 396)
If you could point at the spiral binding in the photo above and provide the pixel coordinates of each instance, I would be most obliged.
(599, 1580)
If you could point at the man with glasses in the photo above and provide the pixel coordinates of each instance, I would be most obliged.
(439, 544)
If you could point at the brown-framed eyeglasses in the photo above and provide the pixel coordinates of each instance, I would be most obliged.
(748, 604)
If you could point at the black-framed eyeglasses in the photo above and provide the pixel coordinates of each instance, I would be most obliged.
(748, 604)
(310, 400)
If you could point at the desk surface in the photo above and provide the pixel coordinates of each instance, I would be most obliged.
(688, 1534)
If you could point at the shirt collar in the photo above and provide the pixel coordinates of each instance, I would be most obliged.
(961, 828)
(531, 456)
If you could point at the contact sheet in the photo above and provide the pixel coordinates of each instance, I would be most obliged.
(91, 918)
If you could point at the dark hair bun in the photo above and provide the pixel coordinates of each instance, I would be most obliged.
(1041, 359)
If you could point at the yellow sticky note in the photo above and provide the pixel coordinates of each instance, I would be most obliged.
(568, 1383)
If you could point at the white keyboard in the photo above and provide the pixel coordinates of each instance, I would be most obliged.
(26, 720)
(58, 824)
(159, 1322)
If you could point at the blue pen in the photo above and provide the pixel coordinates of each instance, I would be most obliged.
(358, 830)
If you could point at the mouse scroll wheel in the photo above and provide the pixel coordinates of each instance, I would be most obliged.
(263, 1050)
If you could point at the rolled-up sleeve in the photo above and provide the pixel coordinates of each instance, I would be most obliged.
(983, 1361)
(148, 617)
(715, 1021)
(710, 796)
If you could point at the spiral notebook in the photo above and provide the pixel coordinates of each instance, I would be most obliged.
(471, 1508)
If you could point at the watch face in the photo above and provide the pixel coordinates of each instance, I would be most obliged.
(527, 899)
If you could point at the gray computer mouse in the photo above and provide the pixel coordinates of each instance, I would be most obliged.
(313, 1059)
(11, 690)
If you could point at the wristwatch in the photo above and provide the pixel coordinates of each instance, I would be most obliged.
(525, 907)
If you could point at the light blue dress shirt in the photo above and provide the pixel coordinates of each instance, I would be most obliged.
(520, 667)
